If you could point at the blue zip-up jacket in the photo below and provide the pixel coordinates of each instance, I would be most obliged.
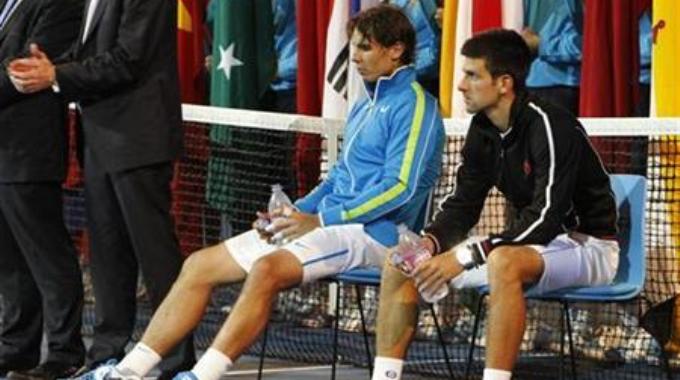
(421, 14)
(390, 160)
(559, 53)
(285, 43)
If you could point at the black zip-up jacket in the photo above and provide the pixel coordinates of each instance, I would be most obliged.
(548, 171)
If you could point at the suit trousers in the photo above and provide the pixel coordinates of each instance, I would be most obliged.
(40, 278)
(131, 231)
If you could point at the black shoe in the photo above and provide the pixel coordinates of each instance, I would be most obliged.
(45, 371)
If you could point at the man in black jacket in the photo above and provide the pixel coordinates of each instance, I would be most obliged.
(561, 227)
(123, 73)
(40, 281)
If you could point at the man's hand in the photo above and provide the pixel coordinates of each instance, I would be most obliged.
(436, 272)
(32, 74)
(261, 223)
(290, 224)
(531, 38)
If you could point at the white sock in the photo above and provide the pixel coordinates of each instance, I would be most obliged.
(140, 360)
(496, 374)
(212, 365)
(387, 368)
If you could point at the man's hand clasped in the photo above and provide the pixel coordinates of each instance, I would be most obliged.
(32, 74)
(285, 225)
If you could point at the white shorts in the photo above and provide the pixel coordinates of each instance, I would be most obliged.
(323, 252)
(569, 260)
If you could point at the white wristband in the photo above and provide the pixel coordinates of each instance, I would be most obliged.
(464, 256)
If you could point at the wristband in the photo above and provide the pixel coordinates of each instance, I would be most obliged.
(474, 254)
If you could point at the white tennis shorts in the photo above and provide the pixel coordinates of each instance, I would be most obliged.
(570, 260)
(323, 252)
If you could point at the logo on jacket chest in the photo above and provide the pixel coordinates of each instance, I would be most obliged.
(526, 168)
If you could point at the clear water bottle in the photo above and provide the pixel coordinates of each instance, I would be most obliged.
(408, 255)
(277, 201)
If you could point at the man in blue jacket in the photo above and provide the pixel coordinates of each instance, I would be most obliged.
(390, 162)
(555, 73)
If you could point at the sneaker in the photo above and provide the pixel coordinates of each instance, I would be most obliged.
(186, 375)
(108, 371)
(45, 371)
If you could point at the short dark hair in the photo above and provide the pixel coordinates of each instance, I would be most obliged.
(386, 25)
(504, 51)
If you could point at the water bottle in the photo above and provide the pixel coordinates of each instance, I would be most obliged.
(408, 255)
(277, 201)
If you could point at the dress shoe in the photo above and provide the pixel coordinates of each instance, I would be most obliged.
(45, 371)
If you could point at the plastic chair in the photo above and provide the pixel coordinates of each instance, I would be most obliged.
(630, 193)
(371, 277)
(366, 277)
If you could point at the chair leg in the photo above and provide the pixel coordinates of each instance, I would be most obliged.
(336, 330)
(572, 354)
(475, 328)
(262, 352)
(369, 358)
(562, 334)
(442, 343)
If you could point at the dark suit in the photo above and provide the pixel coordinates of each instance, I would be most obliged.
(125, 78)
(39, 273)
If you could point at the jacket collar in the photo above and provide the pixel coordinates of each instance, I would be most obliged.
(518, 117)
(385, 85)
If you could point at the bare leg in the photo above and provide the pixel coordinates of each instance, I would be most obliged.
(269, 275)
(185, 304)
(509, 268)
(397, 313)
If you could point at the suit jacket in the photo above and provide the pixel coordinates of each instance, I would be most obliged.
(125, 78)
(32, 127)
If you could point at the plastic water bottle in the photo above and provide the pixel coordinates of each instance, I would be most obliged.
(277, 201)
(408, 255)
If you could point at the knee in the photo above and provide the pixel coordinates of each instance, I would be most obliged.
(267, 274)
(503, 269)
(195, 267)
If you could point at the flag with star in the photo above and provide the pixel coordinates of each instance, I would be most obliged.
(243, 57)
(243, 66)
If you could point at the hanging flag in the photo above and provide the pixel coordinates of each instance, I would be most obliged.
(486, 14)
(243, 66)
(512, 12)
(190, 49)
(312, 25)
(475, 16)
(609, 68)
(446, 68)
(665, 58)
(244, 61)
(337, 63)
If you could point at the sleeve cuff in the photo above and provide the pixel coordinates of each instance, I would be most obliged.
(331, 216)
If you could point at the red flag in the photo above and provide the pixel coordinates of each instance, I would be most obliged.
(610, 66)
(486, 14)
(312, 24)
(191, 54)
(610, 70)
